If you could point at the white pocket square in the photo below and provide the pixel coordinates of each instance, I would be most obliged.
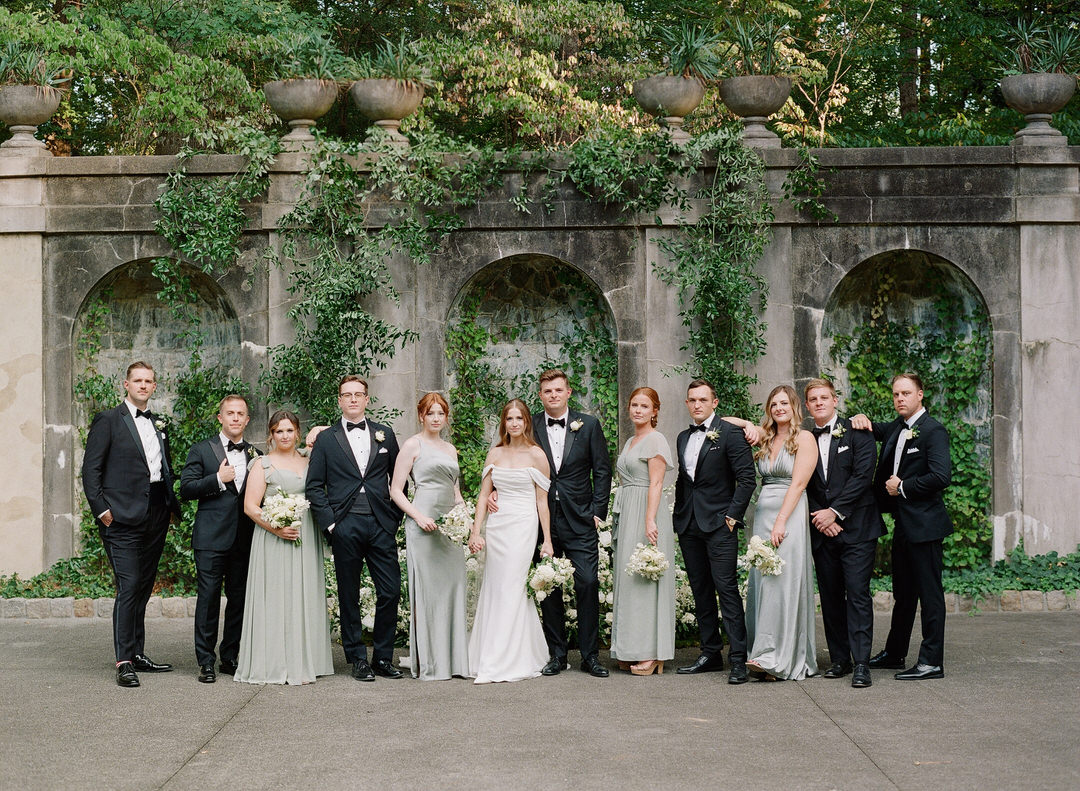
(912, 450)
(383, 450)
(841, 450)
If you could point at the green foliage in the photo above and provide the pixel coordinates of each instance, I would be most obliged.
(304, 54)
(952, 354)
(1041, 46)
(21, 64)
(755, 47)
(691, 51)
(402, 60)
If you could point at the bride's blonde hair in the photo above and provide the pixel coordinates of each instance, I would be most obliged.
(768, 425)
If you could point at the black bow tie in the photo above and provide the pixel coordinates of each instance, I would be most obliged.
(236, 446)
(146, 413)
(362, 425)
(698, 427)
(556, 421)
(819, 431)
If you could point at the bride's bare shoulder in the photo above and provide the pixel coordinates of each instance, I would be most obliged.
(538, 459)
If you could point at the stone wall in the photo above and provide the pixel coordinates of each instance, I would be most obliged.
(1006, 219)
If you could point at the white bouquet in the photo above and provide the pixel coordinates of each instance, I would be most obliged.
(647, 561)
(456, 524)
(285, 510)
(548, 574)
(760, 555)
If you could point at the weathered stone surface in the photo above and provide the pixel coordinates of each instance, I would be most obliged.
(1056, 601)
(192, 601)
(883, 601)
(174, 607)
(1033, 601)
(153, 607)
(104, 607)
(1011, 601)
(84, 608)
(37, 608)
(13, 608)
(62, 608)
(950, 602)
(966, 604)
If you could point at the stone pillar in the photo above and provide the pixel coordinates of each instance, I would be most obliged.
(22, 220)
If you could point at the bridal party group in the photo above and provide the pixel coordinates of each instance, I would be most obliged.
(264, 518)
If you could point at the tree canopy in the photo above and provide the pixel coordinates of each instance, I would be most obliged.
(532, 73)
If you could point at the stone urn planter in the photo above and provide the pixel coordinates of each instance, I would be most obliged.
(754, 98)
(23, 108)
(1038, 96)
(386, 101)
(670, 99)
(300, 102)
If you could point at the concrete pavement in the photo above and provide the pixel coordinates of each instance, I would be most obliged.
(1006, 716)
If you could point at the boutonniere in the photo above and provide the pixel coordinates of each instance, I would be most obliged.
(712, 435)
(251, 452)
(380, 436)
(161, 423)
(839, 431)
(576, 425)
(911, 433)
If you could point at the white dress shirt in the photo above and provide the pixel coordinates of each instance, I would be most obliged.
(360, 442)
(824, 442)
(694, 445)
(237, 460)
(557, 436)
(150, 442)
(901, 444)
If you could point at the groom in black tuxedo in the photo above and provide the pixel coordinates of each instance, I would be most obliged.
(348, 486)
(913, 471)
(216, 475)
(716, 480)
(128, 483)
(577, 456)
(845, 527)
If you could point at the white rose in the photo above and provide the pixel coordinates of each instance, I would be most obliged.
(605, 538)
(541, 595)
(609, 618)
(368, 621)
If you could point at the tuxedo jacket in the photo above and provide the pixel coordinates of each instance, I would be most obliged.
(583, 480)
(220, 519)
(334, 479)
(849, 489)
(724, 480)
(115, 473)
(925, 470)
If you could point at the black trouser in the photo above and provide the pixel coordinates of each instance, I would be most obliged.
(847, 610)
(214, 567)
(917, 582)
(134, 552)
(710, 560)
(356, 538)
(584, 553)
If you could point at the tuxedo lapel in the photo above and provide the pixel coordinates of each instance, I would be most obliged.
(129, 421)
(541, 437)
(680, 446)
(568, 442)
(346, 448)
(913, 442)
(220, 455)
(834, 447)
(707, 445)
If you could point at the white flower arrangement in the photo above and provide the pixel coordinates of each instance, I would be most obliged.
(762, 556)
(838, 431)
(647, 561)
(577, 424)
(285, 510)
(712, 435)
(548, 574)
(380, 436)
(911, 433)
(456, 524)
(161, 423)
(252, 452)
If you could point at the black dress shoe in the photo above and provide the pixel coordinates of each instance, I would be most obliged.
(886, 661)
(919, 672)
(384, 668)
(145, 664)
(861, 677)
(554, 666)
(738, 674)
(704, 664)
(593, 667)
(228, 668)
(838, 670)
(206, 674)
(362, 671)
(125, 675)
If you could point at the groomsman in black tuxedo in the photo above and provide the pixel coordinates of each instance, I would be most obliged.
(128, 483)
(913, 471)
(215, 474)
(845, 526)
(577, 456)
(715, 482)
(348, 486)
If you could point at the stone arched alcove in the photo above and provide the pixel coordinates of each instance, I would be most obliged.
(130, 322)
(537, 309)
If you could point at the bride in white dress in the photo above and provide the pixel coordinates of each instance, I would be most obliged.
(507, 642)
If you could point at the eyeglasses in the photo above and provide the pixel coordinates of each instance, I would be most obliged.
(352, 396)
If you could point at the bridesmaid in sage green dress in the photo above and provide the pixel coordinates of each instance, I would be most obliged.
(643, 624)
(780, 609)
(286, 632)
(438, 638)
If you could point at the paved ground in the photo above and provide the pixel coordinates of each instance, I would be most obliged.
(1006, 716)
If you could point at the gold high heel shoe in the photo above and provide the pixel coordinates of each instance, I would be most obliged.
(647, 668)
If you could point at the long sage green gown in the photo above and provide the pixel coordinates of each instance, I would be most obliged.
(286, 633)
(780, 608)
(643, 621)
(438, 636)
